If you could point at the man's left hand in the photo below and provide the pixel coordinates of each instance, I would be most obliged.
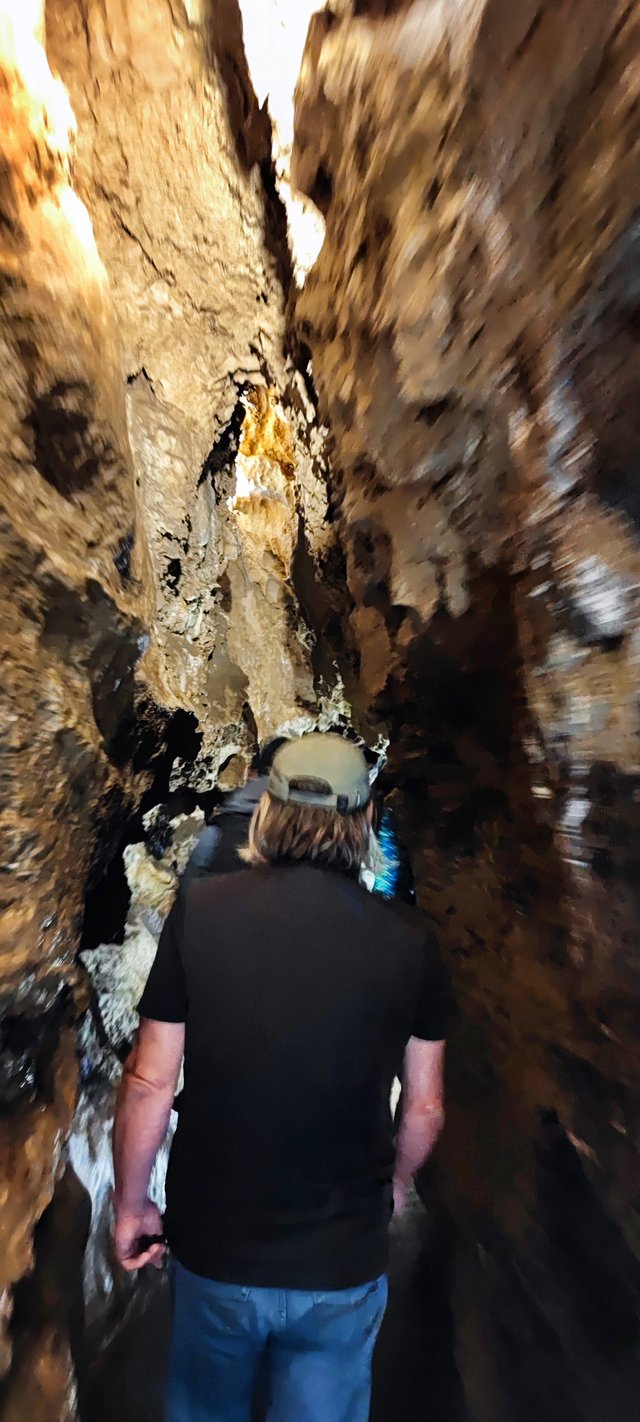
(130, 1227)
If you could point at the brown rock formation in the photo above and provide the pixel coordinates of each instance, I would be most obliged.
(72, 619)
(171, 568)
(174, 164)
(471, 319)
(162, 491)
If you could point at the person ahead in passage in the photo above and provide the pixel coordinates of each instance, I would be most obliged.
(296, 997)
(217, 849)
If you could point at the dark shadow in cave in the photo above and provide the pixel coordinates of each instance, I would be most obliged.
(28, 1043)
(107, 904)
(590, 1258)
(414, 1374)
(154, 741)
(219, 465)
(601, 363)
(54, 1289)
(547, 1326)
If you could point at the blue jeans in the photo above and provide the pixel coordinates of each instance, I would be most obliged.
(315, 1350)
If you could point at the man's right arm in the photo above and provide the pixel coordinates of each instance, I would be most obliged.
(422, 1116)
(141, 1120)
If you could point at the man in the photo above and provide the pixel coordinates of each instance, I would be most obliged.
(217, 849)
(296, 996)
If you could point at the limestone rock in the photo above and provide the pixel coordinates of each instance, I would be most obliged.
(143, 280)
(470, 320)
(72, 624)
(174, 161)
(176, 197)
(175, 544)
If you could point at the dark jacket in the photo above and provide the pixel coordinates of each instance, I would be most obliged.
(217, 849)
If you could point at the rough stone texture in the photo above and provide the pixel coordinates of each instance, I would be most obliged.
(170, 564)
(162, 497)
(73, 629)
(72, 625)
(472, 323)
(176, 195)
(174, 163)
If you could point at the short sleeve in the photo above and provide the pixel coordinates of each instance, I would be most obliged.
(431, 1019)
(165, 996)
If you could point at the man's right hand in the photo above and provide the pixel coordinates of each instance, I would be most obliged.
(130, 1228)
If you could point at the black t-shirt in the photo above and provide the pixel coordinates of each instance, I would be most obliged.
(299, 991)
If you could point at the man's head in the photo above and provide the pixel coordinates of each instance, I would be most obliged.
(316, 808)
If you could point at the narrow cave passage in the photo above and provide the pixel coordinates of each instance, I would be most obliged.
(323, 414)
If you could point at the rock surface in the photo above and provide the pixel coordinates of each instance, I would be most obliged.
(471, 320)
(179, 569)
(73, 626)
(162, 493)
(174, 163)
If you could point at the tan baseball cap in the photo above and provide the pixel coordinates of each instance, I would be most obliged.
(323, 770)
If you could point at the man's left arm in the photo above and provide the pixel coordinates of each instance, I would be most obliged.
(142, 1116)
(422, 1115)
(422, 1111)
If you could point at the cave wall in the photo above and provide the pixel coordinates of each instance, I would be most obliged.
(74, 618)
(174, 162)
(173, 589)
(163, 529)
(472, 323)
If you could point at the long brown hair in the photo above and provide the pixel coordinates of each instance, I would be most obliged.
(282, 833)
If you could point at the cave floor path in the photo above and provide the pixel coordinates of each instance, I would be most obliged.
(415, 1379)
